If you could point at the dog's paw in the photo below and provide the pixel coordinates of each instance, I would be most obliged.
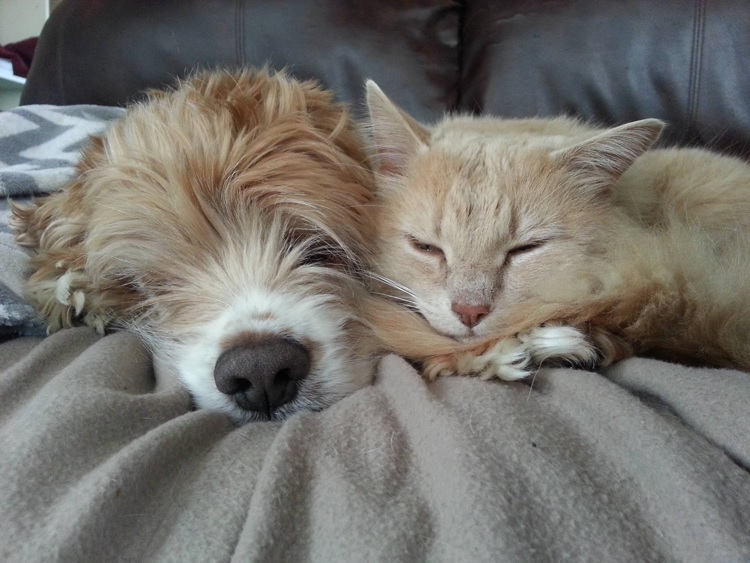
(98, 320)
(69, 292)
(64, 301)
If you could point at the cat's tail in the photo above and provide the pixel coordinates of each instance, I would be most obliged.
(402, 331)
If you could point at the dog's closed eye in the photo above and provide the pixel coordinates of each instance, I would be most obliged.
(321, 258)
(312, 249)
(325, 254)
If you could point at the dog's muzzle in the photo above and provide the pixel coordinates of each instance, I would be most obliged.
(262, 375)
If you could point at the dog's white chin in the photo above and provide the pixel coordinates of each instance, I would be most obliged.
(336, 369)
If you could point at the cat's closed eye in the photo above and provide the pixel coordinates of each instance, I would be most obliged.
(425, 247)
(524, 248)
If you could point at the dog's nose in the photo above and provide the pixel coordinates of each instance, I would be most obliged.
(262, 375)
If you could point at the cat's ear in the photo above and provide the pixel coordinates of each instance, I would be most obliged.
(598, 162)
(396, 136)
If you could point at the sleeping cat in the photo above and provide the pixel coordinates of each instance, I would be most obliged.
(496, 229)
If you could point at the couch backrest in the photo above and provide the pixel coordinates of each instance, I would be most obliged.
(609, 60)
(687, 62)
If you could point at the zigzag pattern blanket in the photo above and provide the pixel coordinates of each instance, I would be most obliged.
(39, 146)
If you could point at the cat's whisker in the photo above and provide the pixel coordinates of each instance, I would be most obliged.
(391, 283)
(398, 298)
(406, 302)
(533, 379)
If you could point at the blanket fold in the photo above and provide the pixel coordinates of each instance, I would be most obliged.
(103, 459)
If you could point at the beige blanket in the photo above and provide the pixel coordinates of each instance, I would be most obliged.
(103, 460)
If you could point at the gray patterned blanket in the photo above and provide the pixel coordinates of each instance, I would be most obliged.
(39, 146)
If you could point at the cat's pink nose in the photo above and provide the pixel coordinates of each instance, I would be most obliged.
(470, 315)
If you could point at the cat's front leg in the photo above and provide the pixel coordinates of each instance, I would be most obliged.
(505, 358)
(516, 357)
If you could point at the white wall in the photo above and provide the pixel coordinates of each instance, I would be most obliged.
(21, 19)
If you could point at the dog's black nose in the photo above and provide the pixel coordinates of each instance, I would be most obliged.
(262, 375)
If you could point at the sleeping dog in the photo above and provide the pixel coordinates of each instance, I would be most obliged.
(225, 222)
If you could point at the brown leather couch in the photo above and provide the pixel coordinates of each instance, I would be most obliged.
(613, 61)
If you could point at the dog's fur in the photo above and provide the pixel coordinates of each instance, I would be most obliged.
(230, 209)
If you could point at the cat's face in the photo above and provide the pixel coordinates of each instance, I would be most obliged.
(471, 234)
(480, 216)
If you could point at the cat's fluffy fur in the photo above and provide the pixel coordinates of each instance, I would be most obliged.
(493, 227)
(228, 211)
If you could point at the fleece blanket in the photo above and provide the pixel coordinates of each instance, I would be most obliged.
(39, 146)
(104, 460)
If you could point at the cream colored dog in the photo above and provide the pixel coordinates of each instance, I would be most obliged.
(225, 222)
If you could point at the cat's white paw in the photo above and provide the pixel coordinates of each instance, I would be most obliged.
(515, 358)
(508, 359)
(559, 343)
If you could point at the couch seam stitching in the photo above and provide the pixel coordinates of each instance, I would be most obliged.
(460, 52)
(59, 65)
(696, 61)
(238, 35)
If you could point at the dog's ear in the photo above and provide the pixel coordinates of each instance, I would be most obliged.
(396, 136)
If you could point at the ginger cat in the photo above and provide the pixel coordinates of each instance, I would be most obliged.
(536, 239)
